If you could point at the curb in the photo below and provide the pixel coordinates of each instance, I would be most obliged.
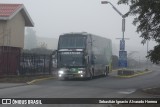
(37, 80)
(115, 70)
(138, 74)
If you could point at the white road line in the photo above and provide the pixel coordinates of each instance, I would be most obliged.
(129, 91)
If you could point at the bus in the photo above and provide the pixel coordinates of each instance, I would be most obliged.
(83, 55)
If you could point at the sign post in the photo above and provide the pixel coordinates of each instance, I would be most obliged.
(122, 58)
(122, 53)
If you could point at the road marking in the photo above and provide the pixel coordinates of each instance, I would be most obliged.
(129, 91)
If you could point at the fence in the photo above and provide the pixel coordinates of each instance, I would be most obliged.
(35, 64)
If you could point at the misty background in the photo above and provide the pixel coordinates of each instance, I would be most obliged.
(55, 17)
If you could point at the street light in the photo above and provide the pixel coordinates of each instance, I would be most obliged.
(107, 2)
(122, 52)
(123, 16)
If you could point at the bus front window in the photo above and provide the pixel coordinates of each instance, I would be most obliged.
(72, 42)
(71, 59)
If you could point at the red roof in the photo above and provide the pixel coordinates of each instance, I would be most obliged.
(7, 10)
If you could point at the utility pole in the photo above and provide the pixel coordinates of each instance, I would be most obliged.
(147, 52)
(122, 52)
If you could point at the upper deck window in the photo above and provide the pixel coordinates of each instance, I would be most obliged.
(72, 42)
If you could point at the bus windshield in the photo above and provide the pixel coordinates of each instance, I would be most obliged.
(68, 59)
(72, 42)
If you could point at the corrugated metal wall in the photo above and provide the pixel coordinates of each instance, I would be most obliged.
(9, 60)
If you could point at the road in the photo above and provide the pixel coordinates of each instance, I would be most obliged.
(104, 87)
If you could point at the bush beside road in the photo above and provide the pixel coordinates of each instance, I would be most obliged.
(128, 73)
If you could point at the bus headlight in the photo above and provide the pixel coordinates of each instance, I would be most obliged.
(80, 72)
(60, 72)
(60, 75)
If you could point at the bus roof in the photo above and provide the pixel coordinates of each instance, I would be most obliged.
(81, 33)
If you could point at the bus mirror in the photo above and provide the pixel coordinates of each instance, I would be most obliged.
(87, 59)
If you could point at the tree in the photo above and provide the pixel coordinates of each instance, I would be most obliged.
(43, 45)
(30, 39)
(147, 19)
(39, 50)
(132, 62)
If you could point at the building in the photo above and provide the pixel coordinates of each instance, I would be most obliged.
(13, 20)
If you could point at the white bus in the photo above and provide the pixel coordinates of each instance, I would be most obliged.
(83, 55)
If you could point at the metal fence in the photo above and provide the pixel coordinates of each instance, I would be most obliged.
(35, 64)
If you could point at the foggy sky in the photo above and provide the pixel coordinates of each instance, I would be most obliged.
(55, 17)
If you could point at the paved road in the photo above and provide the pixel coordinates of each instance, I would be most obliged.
(110, 87)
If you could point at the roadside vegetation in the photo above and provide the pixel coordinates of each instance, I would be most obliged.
(147, 20)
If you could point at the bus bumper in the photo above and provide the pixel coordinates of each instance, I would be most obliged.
(70, 76)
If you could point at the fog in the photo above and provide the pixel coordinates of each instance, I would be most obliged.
(55, 17)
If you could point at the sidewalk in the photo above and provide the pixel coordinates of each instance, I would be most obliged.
(14, 82)
(9, 85)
